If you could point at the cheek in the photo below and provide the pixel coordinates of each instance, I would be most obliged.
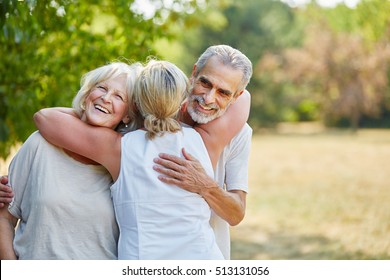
(93, 95)
(197, 90)
(122, 109)
(223, 102)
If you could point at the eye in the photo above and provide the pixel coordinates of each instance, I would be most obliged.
(101, 87)
(225, 93)
(204, 83)
(120, 97)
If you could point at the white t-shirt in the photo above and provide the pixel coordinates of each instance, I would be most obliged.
(232, 174)
(64, 206)
(157, 220)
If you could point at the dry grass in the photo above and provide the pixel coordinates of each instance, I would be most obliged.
(320, 196)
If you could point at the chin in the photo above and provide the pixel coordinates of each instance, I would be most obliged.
(201, 118)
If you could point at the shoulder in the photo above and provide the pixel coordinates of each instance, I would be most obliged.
(35, 137)
(133, 141)
(34, 141)
(247, 128)
(241, 141)
(190, 132)
(245, 132)
(187, 129)
(132, 135)
(34, 147)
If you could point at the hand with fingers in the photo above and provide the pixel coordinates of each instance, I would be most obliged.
(6, 193)
(186, 173)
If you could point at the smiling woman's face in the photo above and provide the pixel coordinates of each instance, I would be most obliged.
(107, 104)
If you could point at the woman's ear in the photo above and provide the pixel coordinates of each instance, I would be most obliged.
(126, 119)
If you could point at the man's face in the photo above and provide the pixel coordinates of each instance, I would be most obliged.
(213, 90)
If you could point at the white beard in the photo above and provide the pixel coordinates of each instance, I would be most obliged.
(200, 117)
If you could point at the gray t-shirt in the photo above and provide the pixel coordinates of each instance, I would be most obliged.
(64, 206)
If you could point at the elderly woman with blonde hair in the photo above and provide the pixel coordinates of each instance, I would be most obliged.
(62, 200)
(156, 220)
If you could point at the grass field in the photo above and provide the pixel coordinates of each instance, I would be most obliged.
(317, 196)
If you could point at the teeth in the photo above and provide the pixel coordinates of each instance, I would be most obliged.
(205, 107)
(100, 108)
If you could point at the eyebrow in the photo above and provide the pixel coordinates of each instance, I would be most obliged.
(121, 93)
(209, 83)
(118, 91)
(113, 90)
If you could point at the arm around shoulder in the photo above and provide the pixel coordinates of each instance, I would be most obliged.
(101, 144)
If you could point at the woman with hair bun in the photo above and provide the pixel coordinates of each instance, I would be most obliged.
(156, 220)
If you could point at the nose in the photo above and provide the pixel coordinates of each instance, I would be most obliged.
(209, 97)
(106, 96)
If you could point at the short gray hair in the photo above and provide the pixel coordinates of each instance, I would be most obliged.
(228, 56)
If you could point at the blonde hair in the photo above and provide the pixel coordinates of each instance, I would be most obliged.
(106, 72)
(159, 92)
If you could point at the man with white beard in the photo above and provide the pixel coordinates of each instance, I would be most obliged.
(219, 77)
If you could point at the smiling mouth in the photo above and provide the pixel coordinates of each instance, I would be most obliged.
(204, 108)
(102, 109)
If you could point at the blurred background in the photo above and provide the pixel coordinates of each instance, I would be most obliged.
(320, 102)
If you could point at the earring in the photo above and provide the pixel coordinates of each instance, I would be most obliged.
(126, 125)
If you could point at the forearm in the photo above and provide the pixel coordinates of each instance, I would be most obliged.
(7, 233)
(189, 175)
(64, 110)
(230, 206)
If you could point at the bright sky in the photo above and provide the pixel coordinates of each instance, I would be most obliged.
(324, 3)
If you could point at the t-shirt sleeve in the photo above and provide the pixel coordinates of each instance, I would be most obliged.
(237, 164)
(19, 172)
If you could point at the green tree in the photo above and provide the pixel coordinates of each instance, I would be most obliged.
(45, 47)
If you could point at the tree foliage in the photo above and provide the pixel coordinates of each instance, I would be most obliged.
(309, 63)
(335, 72)
(342, 69)
(45, 47)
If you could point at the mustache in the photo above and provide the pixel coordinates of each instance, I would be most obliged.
(201, 102)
